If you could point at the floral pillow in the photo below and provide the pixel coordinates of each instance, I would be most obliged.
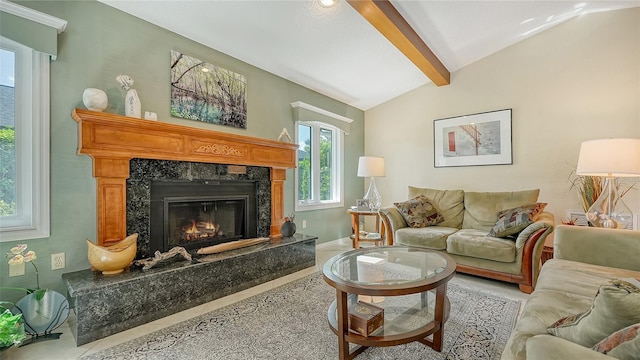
(615, 307)
(623, 344)
(419, 212)
(512, 221)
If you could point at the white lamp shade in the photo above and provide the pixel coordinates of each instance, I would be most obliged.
(370, 166)
(609, 157)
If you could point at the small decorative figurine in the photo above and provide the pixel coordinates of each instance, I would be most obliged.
(132, 106)
(284, 136)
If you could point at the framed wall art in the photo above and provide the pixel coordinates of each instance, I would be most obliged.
(208, 93)
(476, 139)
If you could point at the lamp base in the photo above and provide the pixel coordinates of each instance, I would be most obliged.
(373, 196)
(609, 211)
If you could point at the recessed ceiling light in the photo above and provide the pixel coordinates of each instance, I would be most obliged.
(327, 3)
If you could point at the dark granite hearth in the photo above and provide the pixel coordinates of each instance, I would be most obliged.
(105, 305)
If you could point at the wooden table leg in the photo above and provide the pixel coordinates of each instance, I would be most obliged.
(355, 225)
(383, 233)
(343, 324)
(441, 293)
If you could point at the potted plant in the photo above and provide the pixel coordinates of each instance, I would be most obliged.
(12, 325)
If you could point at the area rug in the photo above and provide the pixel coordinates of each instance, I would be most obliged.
(290, 322)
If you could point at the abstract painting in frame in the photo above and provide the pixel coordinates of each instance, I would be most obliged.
(477, 139)
(208, 93)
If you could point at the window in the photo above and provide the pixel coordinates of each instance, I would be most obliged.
(24, 142)
(319, 180)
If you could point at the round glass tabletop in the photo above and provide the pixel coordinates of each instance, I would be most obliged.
(387, 265)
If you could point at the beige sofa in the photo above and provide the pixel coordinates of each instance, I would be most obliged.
(584, 259)
(468, 217)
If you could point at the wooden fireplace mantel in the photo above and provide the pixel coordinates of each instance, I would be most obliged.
(113, 140)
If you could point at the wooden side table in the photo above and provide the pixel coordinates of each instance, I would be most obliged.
(355, 228)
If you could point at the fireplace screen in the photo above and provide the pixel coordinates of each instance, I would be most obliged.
(196, 214)
(193, 221)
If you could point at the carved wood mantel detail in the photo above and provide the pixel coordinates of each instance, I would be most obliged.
(113, 140)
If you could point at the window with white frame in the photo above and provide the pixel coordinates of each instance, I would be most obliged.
(24, 142)
(319, 171)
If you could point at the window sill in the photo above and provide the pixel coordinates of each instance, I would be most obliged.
(22, 235)
(318, 206)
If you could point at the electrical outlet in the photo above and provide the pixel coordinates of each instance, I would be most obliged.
(304, 224)
(57, 261)
(16, 270)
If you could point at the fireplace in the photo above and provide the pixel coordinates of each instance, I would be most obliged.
(194, 190)
(195, 214)
(130, 156)
(113, 141)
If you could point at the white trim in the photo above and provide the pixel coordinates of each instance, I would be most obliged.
(33, 222)
(42, 132)
(320, 111)
(33, 15)
(337, 180)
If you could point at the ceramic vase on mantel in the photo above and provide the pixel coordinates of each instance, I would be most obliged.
(132, 106)
(95, 99)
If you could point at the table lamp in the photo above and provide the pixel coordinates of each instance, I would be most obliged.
(371, 166)
(609, 158)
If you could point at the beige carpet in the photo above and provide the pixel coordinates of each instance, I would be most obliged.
(290, 322)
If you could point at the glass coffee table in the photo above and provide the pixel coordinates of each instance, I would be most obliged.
(410, 284)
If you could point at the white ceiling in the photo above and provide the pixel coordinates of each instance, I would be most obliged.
(338, 53)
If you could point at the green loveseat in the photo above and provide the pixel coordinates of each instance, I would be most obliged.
(468, 218)
(584, 259)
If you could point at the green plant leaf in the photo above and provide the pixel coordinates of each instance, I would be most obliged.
(5, 305)
(39, 293)
(11, 329)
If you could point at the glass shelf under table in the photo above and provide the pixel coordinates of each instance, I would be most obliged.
(405, 317)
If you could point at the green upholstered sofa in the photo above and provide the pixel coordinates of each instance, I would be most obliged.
(584, 259)
(468, 217)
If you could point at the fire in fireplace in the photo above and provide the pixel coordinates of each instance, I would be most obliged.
(195, 214)
(201, 218)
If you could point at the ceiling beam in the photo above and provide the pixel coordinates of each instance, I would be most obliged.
(384, 17)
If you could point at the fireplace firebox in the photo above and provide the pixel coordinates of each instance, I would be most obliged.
(196, 214)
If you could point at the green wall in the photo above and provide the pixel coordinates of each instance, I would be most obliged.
(101, 43)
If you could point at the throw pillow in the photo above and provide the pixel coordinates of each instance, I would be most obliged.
(512, 221)
(615, 307)
(419, 212)
(623, 344)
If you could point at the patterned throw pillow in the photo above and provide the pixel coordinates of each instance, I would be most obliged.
(512, 221)
(419, 212)
(615, 307)
(623, 344)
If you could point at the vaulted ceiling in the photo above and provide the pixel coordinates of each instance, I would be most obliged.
(338, 52)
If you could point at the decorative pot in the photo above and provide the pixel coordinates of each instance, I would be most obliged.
(132, 106)
(95, 99)
(113, 259)
(288, 228)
